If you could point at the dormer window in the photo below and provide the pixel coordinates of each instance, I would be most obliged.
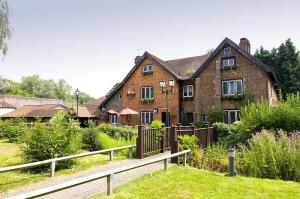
(228, 62)
(148, 68)
(227, 50)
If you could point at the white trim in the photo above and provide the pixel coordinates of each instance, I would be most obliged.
(232, 87)
(150, 91)
(147, 68)
(236, 115)
(146, 117)
(188, 91)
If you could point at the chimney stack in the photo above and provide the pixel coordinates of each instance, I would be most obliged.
(137, 59)
(245, 44)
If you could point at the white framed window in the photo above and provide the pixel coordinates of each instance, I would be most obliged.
(113, 118)
(204, 118)
(232, 87)
(228, 62)
(146, 117)
(147, 92)
(147, 68)
(188, 91)
(227, 50)
(231, 116)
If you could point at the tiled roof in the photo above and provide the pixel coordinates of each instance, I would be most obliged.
(46, 110)
(112, 89)
(19, 101)
(186, 66)
(4, 104)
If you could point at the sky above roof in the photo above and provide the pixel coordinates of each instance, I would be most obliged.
(92, 44)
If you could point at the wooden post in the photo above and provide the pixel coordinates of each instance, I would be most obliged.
(192, 129)
(111, 155)
(130, 153)
(184, 159)
(179, 126)
(166, 164)
(163, 142)
(174, 144)
(206, 126)
(140, 143)
(52, 168)
(109, 184)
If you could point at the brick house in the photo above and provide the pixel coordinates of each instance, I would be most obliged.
(225, 78)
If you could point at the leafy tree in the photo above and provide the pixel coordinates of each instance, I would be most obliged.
(10, 87)
(83, 97)
(285, 63)
(5, 31)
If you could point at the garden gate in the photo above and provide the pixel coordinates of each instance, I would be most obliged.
(152, 141)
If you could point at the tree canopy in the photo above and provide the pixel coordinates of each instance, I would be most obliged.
(34, 86)
(5, 31)
(285, 62)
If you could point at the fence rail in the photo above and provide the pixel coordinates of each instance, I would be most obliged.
(108, 174)
(53, 161)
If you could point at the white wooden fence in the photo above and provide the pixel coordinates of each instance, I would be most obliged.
(53, 161)
(108, 174)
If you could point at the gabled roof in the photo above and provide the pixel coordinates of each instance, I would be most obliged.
(229, 42)
(182, 69)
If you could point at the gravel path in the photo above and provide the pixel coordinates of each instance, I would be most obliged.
(92, 188)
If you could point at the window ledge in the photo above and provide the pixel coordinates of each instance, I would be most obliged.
(147, 72)
(228, 67)
(188, 98)
(147, 101)
(233, 97)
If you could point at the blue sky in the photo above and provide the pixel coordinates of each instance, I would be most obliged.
(92, 43)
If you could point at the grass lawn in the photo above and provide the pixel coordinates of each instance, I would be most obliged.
(10, 155)
(187, 182)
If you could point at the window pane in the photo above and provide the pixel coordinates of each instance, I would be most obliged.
(152, 92)
(185, 91)
(143, 93)
(225, 88)
(232, 116)
(231, 62)
(225, 62)
(226, 117)
(190, 91)
(232, 88)
(239, 85)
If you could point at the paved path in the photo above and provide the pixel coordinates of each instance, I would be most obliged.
(91, 188)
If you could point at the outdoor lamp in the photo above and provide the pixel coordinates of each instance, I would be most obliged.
(77, 92)
(162, 83)
(231, 157)
(171, 83)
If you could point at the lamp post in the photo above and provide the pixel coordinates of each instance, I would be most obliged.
(231, 157)
(166, 91)
(77, 92)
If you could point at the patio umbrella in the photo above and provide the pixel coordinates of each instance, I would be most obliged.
(111, 111)
(128, 111)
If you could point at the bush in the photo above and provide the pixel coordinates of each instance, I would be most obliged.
(231, 134)
(118, 132)
(198, 124)
(286, 115)
(270, 156)
(157, 124)
(13, 129)
(60, 138)
(188, 142)
(216, 115)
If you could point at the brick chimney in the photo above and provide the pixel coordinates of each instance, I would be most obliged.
(137, 59)
(245, 44)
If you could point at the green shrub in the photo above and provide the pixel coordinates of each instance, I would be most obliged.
(13, 129)
(198, 124)
(188, 142)
(127, 133)
(157, 124)
(215, 158)
(216, 115)
(285, 115)
(60, 138)
(270, 156)
(231, 134)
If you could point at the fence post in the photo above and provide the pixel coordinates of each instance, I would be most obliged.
(174, 144)
(140, 143)
(52, 168)
(192, 128)
(206, 140)
(109, 184)
(179, 126)
(166, 164)
(163, 141)
(130, 153)
(111, 154)
(184, 159)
